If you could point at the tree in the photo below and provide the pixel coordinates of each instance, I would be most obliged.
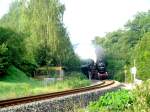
(142, 56)
(3, 58)
(11, 47)
(121, 45)
(39, 26)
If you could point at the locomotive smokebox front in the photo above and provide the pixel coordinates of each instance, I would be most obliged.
(95, 70)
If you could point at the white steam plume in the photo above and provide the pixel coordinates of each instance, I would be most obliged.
(99, 52)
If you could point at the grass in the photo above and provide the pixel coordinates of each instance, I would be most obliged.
(16, 84)
(137, 100)
(142, 102)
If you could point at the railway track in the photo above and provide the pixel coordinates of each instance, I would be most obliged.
(23, 100)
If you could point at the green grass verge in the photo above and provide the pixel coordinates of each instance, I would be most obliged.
(17, 84)
(137, 100)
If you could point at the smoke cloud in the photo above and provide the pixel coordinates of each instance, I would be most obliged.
(99, 52)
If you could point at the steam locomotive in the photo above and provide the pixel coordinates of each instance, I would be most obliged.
(95, 70)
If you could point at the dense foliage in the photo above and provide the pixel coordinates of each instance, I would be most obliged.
(142, 55)
(32, 34)
(142, 102)
(113, 101)
(126, 45)
(11, 48)
(136, 100)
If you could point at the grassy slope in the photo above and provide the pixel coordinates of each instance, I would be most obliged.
(17, 84)
(14, 74)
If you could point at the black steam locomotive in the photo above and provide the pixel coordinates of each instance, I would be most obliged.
(95, 70)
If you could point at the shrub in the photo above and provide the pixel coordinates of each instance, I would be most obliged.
(142, 102)
(113, 101)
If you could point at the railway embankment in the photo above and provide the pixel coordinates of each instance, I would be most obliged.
(67, 103)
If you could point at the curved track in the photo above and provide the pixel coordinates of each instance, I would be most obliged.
(17, 101)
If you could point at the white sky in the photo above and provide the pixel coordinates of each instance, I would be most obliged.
(4, 6)
(86, 19)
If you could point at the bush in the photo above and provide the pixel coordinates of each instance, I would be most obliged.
(3, 57)
(137, 100)
(142, 102)
(14, 75)
(78, 80)
(113, 101)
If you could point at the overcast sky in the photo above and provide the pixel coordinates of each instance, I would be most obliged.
(86, 19)
(4, 6)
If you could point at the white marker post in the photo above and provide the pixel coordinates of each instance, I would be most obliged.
(89, 75)
(133, 72)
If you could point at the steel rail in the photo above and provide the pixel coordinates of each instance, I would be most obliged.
(17, 101)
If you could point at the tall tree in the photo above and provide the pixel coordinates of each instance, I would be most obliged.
(121, 45)
(46, 40)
